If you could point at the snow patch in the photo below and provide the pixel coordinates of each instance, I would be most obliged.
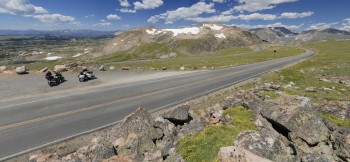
(220, 36)
(153, 32)
(77, 55)
(52, 58)
(191, 30)
(213, 26)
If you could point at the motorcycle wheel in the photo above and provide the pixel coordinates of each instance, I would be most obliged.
(81, 79)
(51, 84)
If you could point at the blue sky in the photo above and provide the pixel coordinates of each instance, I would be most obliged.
(125, 14)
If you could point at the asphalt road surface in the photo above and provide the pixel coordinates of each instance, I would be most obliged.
(31, 123)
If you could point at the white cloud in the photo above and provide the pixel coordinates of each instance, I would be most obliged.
(124, 3)
(219, 1)
(258, 16)
(148, 4)
(127, 10)
(89, 16)
(346, 25)
(20, 7)
(54, 18)
(320, 26)
(26, 9)
(103, 23)
(291, 27)
(258, 5)
(113, 17)
(213, 19)
(294, 15)
(183, 13)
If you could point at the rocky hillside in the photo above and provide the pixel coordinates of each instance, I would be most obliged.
(329, 34)
(289, 128)
(281, 35)
(204, 38)
(274, 34)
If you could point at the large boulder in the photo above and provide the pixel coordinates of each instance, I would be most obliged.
(139, 131)
(295, 116)
(178, 115)
(60, 68)
(21, 70)
(238, 154)
(266, 145)
(338, 109)
(341, 143)
(2, 68)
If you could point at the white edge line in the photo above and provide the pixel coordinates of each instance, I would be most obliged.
(154, 110)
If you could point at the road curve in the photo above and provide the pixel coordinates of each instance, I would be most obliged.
(35, 122)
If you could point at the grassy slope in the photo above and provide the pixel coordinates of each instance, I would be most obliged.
(331, 61)
(205, 145)
(223, 58)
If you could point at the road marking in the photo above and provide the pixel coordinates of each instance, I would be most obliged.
(117, 101)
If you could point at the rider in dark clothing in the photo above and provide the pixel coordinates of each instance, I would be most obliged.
(48, 75)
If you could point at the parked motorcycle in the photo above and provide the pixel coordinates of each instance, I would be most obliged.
(54, 80)
(86, 75)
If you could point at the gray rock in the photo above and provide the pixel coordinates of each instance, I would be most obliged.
(182, 68)
(21, 70)
(338, 109)
(238, 154)
(297, 115)
(101, 67)
(2, 68)
(112, 68)
(139, 131)
(341, 143)
(265, 145)
(317, 158)
(44, 70)
(60, 68)
(177, 115)
(311, 89)
(174, 156)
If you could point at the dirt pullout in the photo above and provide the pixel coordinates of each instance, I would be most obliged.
(15, 86)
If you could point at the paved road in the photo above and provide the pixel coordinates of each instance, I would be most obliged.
(34, 122)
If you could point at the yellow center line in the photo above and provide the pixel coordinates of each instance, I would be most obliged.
(109, 103)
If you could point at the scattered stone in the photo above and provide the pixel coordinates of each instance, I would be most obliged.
(311, 89)
(44, 70)
(204, 67)
(343, 90)
(172, 54)
(2, 68)
(182, 68)
(112, 68)
(101, 67)
(60, 68)
(238, 154)
(154, 69)
(325, 80)
(164, 68)
(21, 70)
(125, 68)
(326, 89)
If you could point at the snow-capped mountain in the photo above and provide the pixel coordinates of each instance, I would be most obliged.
(205, 38)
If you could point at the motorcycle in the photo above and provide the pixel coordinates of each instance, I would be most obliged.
(59, 77)
(86, 75)
(55, 80)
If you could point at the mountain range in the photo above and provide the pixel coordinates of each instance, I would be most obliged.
(79, 33)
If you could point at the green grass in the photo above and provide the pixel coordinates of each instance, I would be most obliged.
(339, 122)
(332, 61)
(271, 94)
(223, 58)
(205, 145)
